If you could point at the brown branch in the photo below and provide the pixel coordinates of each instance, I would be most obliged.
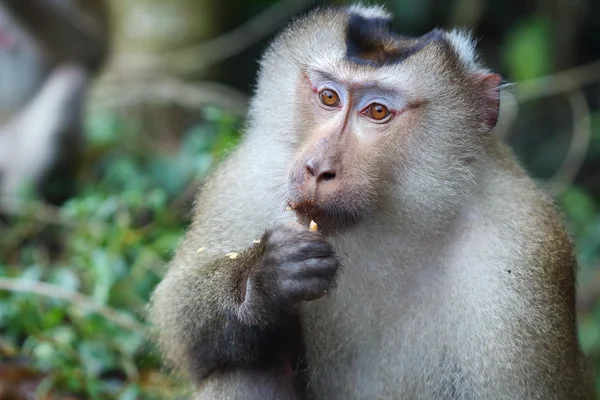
(211, 52)
(466, 13)
(509, 111)
(578, 148)
(558, 83)
(118, 94)
(36, 210)
(78, 299)
(570, 81)
(45, 213)
(546, 86)
(588, 295)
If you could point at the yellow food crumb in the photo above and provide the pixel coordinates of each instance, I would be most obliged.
(313, 226)
(200, 250)
(256, 241)
(232, 255)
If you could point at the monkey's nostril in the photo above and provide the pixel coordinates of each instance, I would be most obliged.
(319, 171)
(326, 176)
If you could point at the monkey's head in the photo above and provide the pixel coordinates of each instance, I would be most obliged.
(368, 119)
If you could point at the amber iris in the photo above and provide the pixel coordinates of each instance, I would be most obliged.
(329, 97)
(378, 111)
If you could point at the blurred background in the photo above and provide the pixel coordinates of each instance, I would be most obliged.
(112, 112)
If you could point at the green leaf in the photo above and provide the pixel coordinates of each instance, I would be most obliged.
(528, 51)
(96, 357)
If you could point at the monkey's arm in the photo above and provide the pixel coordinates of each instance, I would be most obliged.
(553, 358)
(229, 312)
(274, 383)
(530, 317)
(553, 365)
(548, 362)
(203, 318)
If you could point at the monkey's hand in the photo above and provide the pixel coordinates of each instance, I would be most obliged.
(296, 264)
(241, 311)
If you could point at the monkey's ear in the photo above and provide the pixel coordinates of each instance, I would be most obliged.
(490, 87)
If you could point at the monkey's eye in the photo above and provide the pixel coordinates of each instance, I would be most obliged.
(329, 97)
(377, 111)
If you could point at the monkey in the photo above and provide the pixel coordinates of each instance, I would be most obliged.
(49, 52)
(22, 66)
(439, 269)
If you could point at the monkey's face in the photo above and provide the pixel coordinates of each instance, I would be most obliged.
(369, 134)
(341, 163)
(379, 120)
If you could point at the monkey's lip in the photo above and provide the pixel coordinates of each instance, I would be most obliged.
(305, 211)
(327, 217)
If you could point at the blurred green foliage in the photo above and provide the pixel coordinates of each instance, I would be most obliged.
(527, 50)
(110, 243)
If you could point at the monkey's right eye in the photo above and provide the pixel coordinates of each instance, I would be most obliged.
(329, 97)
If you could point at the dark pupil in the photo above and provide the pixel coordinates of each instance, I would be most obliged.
(378, 109)
(329, 95)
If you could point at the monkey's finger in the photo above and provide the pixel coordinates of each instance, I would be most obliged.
(314, 267)
(306, 289)
(308, 250)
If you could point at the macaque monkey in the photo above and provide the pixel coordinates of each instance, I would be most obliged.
(49, 51)
(438, 270)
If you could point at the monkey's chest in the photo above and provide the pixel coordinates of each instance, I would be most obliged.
(376, 348)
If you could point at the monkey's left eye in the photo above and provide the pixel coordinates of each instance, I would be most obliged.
(377, 111)
(329, 97)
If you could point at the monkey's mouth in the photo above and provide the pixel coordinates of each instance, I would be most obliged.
(328, 217)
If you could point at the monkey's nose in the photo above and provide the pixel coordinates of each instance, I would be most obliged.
(321, 171)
